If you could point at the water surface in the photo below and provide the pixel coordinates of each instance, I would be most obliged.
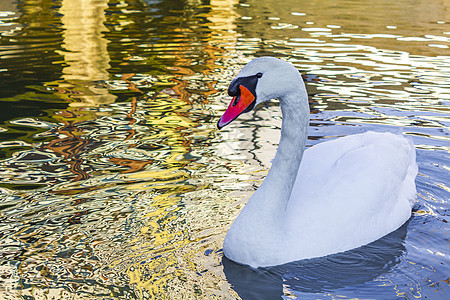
(116, 183)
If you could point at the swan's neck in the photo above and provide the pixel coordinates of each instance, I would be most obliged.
(259, 226)
(274, 193)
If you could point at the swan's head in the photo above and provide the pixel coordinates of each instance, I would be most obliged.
(260, 80)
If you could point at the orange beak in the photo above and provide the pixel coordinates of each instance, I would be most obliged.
(239, 104)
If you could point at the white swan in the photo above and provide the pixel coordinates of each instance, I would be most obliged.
(345, 193)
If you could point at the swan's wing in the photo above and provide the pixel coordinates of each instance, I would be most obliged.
(351, 191)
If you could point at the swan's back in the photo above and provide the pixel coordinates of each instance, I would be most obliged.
(350, 192)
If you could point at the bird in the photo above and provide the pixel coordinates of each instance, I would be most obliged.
(332, 197)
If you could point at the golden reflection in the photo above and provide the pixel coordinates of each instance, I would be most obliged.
(84, 43)
(170, 259)
(166, 252)
(223, 20)
(85, 53)
(87, 61)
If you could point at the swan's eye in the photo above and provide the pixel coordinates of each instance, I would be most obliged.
(259, 75)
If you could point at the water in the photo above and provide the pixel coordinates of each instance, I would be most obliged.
(116, 184)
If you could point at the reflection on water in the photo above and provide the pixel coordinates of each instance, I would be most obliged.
(116, 184)
(85, 52)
